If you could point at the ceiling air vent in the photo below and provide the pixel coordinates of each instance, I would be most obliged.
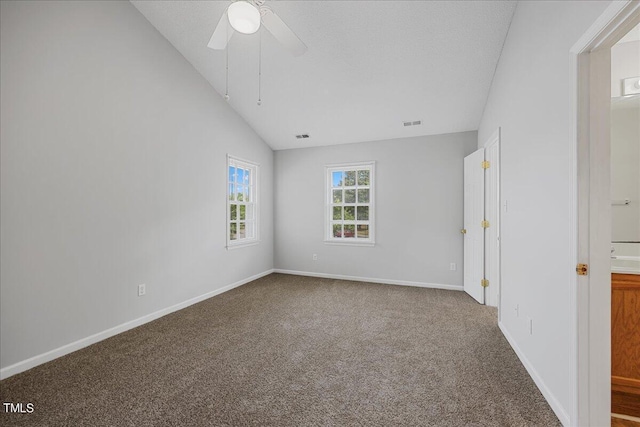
(413, 123)
(302, 136)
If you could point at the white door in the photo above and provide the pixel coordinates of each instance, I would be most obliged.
(473, 217)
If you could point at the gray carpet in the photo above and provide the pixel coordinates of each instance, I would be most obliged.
(294, 351)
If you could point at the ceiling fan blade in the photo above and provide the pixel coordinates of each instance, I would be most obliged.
(222, 33)
(281, 32)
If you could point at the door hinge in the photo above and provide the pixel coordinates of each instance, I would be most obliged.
(486, 164)
(582, 269)
(485, 224)
(463, 231)
(484, 283)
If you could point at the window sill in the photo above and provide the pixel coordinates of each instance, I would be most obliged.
(350, 243)
(242, 245)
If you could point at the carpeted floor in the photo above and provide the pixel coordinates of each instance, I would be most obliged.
(294, 351)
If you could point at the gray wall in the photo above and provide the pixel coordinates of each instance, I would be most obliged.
(530, 100)
(112, 174)
(419, 196)
(625, 144)
(625, 172)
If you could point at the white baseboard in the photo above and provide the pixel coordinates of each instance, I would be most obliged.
(370, 279)
(560, 412)
(32, 362)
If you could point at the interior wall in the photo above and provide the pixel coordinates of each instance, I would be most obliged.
(625, 63)
(625, 173)
(113, 168)
(419, 199)
(531, 99)
(625, 143)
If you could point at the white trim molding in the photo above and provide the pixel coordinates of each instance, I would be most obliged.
(355, 205)
(371, 280)
(34, 361)
(590, 306)
(607, 27)
(492, 211)
(250, 202)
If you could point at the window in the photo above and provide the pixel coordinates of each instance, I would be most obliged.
(350, 203)
(242, 203)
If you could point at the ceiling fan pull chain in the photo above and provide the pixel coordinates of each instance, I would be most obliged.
(260, 70)
(226, 89)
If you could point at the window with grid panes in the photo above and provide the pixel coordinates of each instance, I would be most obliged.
(242, 207)
(350, 206)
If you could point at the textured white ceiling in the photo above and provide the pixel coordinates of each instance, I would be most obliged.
(371, 65)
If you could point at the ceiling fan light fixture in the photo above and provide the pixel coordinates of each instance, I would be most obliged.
(244, 17)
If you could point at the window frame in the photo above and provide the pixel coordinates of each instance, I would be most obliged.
(329, 204)
(253, 184)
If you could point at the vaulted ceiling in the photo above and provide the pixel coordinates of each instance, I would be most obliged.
(370, 66)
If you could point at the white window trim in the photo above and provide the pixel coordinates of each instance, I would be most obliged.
(328, 213)
(236, 244)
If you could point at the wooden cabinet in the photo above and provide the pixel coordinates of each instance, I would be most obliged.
(625, 344)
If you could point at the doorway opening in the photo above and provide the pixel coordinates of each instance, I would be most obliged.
(625, 227)
(591, 287)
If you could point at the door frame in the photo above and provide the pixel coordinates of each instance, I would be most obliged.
(591, 213)
(492, 253)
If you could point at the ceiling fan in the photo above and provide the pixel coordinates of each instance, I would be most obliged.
(245, 16)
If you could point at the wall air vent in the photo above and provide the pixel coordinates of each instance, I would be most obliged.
(302, 136)
(413, 123)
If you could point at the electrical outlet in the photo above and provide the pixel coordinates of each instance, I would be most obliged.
(315, 257)
(142, 289)
(452, 266)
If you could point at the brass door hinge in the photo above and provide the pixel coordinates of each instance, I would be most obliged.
(486, 164)
(463, 231)
(582, 269)
(484, 283)
(485, 224)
